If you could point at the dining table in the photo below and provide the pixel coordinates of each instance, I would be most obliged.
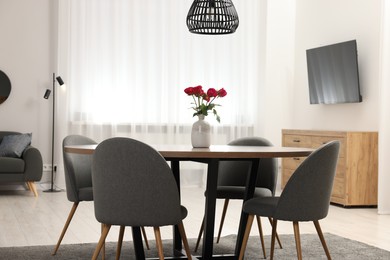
(210, 156)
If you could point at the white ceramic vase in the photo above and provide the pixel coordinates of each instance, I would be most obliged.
(200, 134)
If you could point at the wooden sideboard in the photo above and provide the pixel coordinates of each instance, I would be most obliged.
(356, 181)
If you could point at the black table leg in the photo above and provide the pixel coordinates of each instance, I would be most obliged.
(249, 191)
(177, 245)
(137, 242)
(211, 194)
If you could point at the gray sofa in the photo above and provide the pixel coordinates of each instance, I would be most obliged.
(27, 168)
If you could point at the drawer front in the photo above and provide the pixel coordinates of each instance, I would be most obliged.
(292, 163)
(317, 141)
(297, 141)
(289, 165)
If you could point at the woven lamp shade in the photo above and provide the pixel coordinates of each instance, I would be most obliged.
(212, 17)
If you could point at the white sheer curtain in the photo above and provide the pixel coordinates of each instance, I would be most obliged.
(127, 63)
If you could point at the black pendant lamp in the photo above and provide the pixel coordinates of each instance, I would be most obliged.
(212, 17)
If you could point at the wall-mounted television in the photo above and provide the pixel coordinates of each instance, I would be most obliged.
(333, 74)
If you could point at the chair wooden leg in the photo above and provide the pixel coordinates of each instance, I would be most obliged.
(246, 236)
(105, 230)
(104, 244)
(273, 235)
(261, 236)
(145, 237)
(33, 188)
(28, 185)
(160, 250)
(120, 240)
(319, 232)
(185, 241)
(225, 206)
(297, 239)
(277, 236)
(70, 216)
(199, 236)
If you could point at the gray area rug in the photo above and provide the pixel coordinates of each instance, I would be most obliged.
(340, 248)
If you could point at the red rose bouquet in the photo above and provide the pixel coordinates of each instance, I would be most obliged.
(203, 101)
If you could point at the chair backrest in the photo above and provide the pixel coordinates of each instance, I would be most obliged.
(77, 167)
(133, 185)
(306, 196)
(234, 173)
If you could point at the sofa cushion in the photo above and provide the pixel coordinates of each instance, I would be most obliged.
(11, 165)
(14, 145)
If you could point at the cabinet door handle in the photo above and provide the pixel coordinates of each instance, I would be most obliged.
(296, 159)
(296, 141)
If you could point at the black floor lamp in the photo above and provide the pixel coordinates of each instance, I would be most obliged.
(46, 96)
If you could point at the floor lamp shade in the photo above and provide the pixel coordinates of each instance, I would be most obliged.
(60, 81)
(47, 94)
(212, 17)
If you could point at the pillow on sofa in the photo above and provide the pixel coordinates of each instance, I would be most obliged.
(14, 145)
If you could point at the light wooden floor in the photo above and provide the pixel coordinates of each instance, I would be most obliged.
(26, 220)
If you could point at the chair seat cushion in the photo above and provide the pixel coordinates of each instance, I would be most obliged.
(86, 194)
(11, 165)
(261, 206)
(237, 192)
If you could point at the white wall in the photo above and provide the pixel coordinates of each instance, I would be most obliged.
(26, 56)
(384, 122)
(279, 73)
(320, 22)
(296, 25)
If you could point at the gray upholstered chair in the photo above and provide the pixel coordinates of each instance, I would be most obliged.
(134, 186)
(78, 177)
(306, 197)
(232, 177)
(78, 180)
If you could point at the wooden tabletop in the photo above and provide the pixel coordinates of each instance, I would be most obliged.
(214, 151)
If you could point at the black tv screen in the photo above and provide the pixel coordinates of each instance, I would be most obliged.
(333, 74)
